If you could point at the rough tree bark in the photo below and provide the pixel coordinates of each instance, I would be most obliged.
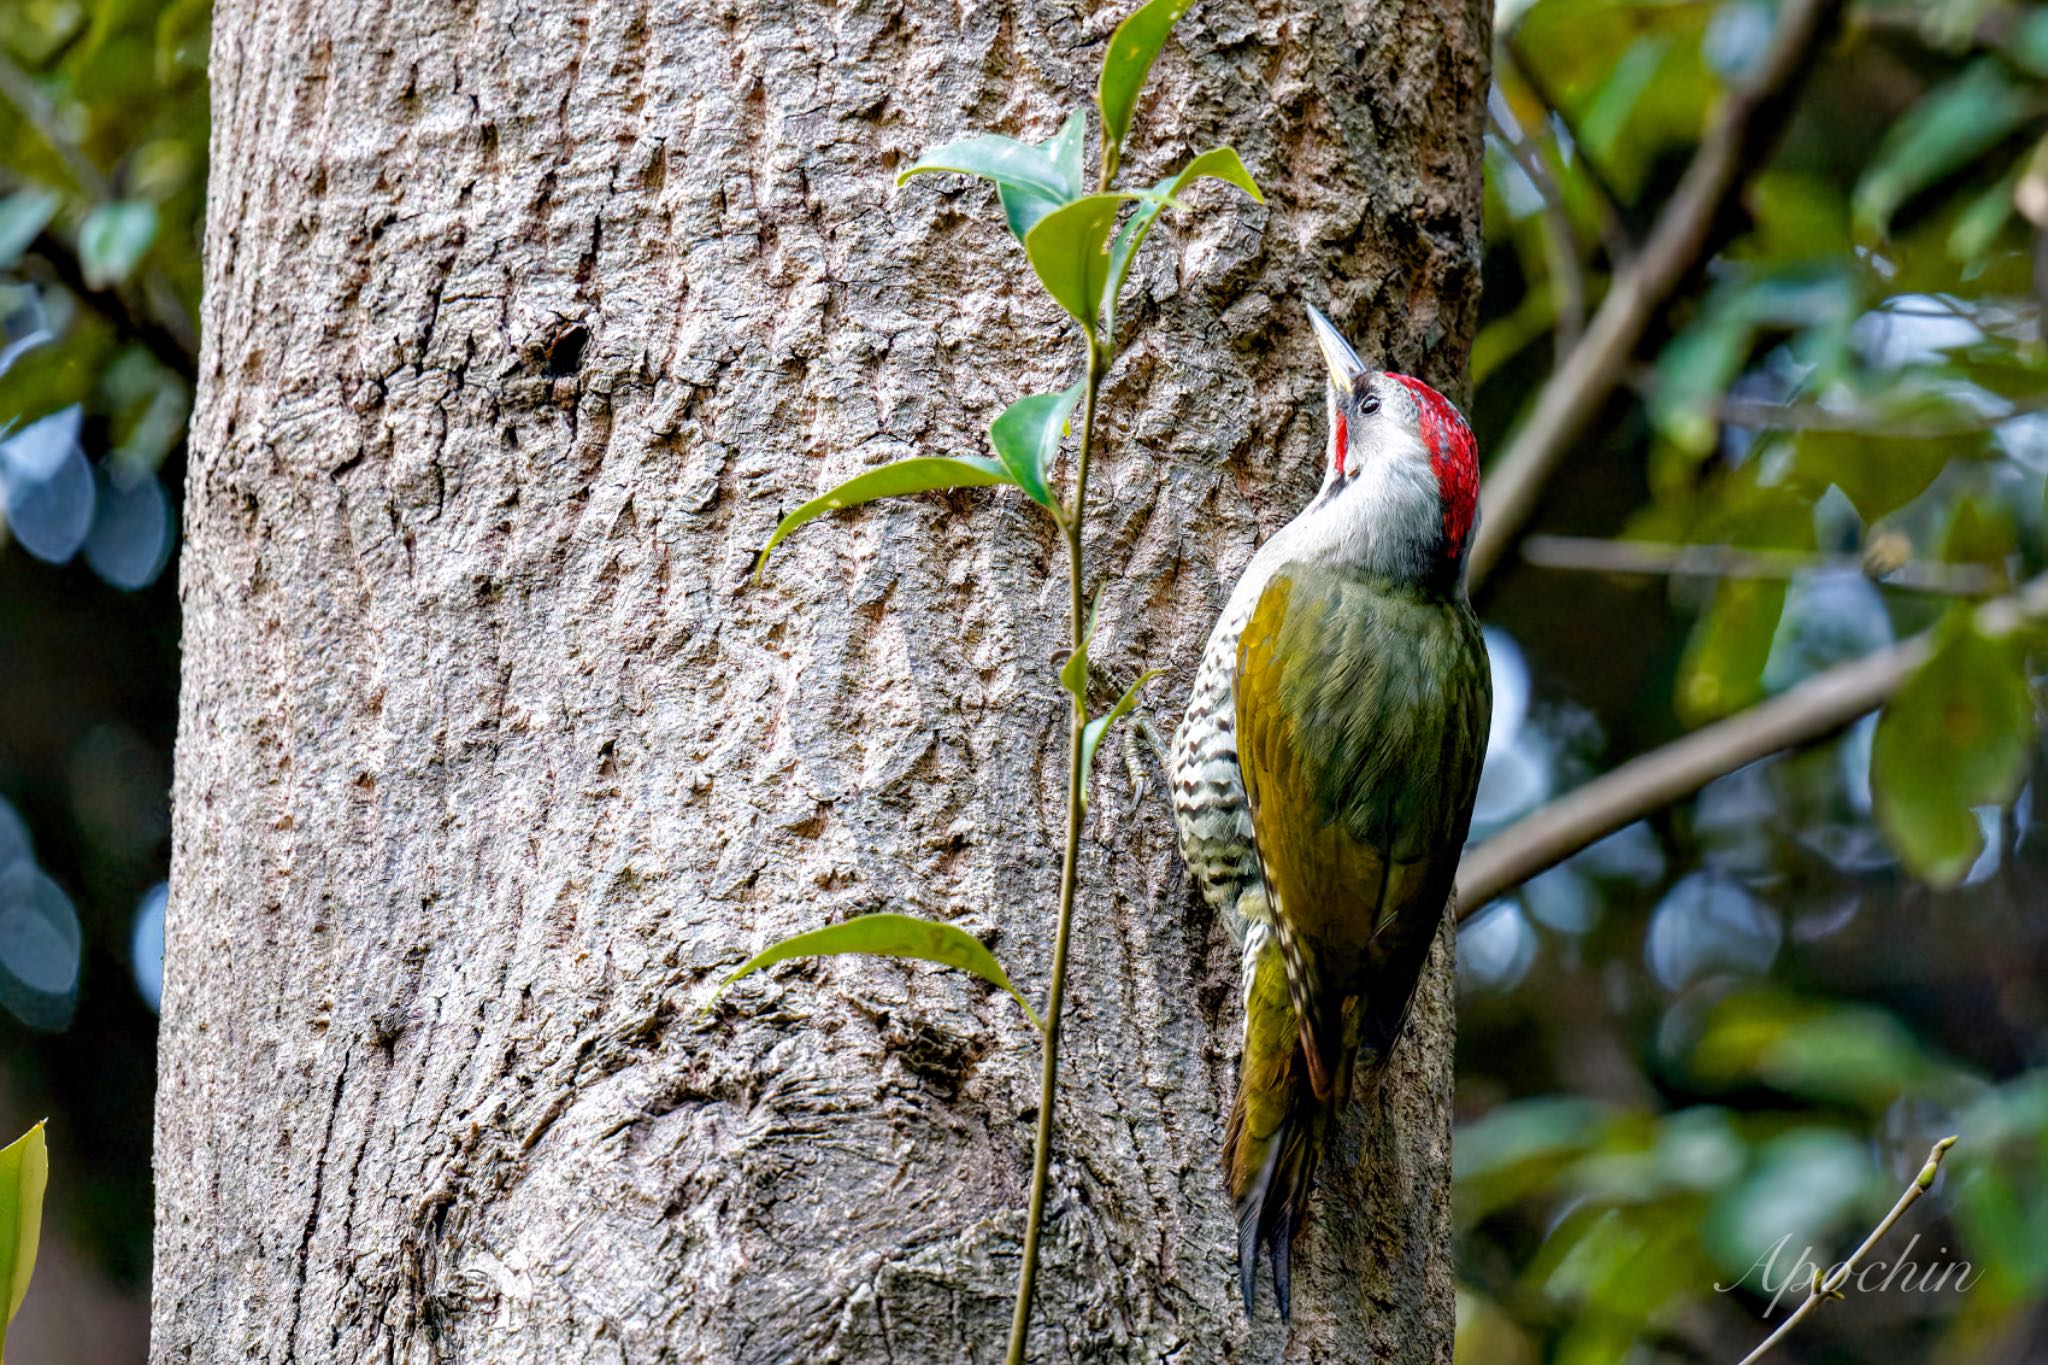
(524, 319)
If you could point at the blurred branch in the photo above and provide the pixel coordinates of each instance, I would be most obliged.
(1561, 244)
(1821, 1290)
(1817, 707)
(164, 333)
(1594, 555)
(1614, 234)
(1685, 234)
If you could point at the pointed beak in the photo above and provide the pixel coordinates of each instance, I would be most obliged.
(1345, 366)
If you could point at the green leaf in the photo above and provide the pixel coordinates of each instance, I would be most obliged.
(113, 239)
(890, 481)
(1724, 661)
(1218, 163)
(1070, 251)
(1030, 181)
(1880, 473)
(1092, 733)
(1128, 60)
(1027, 438)
(1957, 736)
(23, 214)
(1023, 205)
(1940, 136)
(887, 935)
(24, 1172)
(1074, 673)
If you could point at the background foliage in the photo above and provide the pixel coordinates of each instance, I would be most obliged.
(1740, 1020)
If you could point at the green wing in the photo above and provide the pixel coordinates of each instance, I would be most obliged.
(1362, 712)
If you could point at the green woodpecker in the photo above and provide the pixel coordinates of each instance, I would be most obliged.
(1323, 777)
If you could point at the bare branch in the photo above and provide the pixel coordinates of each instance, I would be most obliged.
(1815, 708)
(1685, 234)
(1593, 555)
(1561, 244)
(1614, 234)
(165, 332)
(1830, 1287)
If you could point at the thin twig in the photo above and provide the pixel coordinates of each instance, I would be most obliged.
(1685, 234)
(1560, 243)
(1823, 1289)
(165, 333)
(1594, 555)
(1614, 234)
(1818, 707)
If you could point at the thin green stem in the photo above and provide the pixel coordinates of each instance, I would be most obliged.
(1829, 1286)
(1048, 1084)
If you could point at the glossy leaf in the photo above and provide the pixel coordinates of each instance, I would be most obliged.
(1218, 163)
(24, 1173)
(1031, 180)
(887, 935)
(920, 475)
(1941, 135)
(1128, 60)
(113, 239)
(1957, 736)
(1092, 734)
(1027, 438)
(1070, 251)
(1024, 205)
(23, 214)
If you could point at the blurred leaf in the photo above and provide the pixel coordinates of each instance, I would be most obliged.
(1958, 735)
(1128, 60)
(1517, 1149)
(1941, 135)
(1092, 733)
(1981, 531)
(1820, 1051)
(23, 214)
(1218, 163)
(891, 480)
(1879, 473)
(1488, 1335)
(24, 1173)
(1724, 661)
(887, 935)
(113, 239)
(1027, 436)
(1070, 251)
(1798, 1192)
(1023, 205)
(1978, 226)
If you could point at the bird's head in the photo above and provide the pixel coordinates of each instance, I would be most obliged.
(1400, 492)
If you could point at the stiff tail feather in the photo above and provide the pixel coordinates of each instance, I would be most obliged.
(1277, 1124)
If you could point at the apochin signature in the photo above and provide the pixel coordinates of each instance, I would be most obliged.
(1873, 1277)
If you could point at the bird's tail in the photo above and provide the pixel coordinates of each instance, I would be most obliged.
(1279, 1122)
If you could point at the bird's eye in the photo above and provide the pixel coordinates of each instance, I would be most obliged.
(1371, 404)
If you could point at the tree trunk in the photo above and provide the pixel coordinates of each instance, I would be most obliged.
(524, 321)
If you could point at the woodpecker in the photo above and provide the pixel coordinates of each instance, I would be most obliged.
(1324, 773)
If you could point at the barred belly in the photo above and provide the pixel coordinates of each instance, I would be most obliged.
(1209, 805)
